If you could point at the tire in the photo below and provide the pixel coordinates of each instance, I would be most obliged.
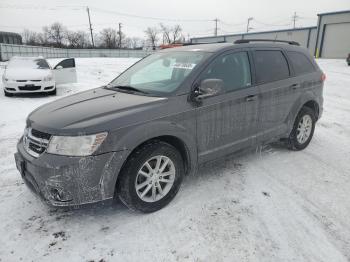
(296, 142)
(53, 92)
(131, 176)
(8, 94)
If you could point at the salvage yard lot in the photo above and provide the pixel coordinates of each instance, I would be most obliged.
(270, 204)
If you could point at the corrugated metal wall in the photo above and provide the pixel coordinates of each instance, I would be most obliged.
(305, 36)
(8, 50)
(333, 39)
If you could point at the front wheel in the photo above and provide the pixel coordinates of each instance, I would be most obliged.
(151, 177)
(303, 129)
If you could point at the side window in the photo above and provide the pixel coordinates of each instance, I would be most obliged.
(233, 69)
(301, 64)
(67, 63)
(270, 66)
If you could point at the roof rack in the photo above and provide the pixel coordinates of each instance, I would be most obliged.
(245, 41)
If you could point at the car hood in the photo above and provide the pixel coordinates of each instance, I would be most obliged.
(26, 73)
(92, 111)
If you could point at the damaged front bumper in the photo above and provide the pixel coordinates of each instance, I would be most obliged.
(70, 181)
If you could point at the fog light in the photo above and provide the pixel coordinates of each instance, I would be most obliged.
(60, 195)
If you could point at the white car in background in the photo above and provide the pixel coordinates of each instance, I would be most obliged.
(35, 75)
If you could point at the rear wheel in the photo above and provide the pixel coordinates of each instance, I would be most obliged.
(151, 178)
(303, 129)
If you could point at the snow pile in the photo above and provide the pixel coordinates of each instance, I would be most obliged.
(269, 205)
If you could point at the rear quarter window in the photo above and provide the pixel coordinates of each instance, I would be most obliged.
(270, 65)
(301, 64)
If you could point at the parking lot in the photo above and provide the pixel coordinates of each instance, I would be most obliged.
(268, 204)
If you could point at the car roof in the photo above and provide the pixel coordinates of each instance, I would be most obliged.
(215, 47)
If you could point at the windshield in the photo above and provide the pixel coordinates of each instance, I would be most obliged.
(160, 73)
(33, 63)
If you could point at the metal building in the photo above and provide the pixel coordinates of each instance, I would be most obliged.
(330, 39)
(333, 35)
(306, 36)
(10, 38)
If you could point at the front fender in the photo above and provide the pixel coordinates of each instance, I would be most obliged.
(131, 137)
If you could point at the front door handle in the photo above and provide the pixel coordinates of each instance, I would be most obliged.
(295, 86)
(250, 98)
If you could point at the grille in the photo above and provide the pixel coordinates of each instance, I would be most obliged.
(35, 142)
(39, 134)
(29, 88)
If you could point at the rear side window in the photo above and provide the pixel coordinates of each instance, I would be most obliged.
(301, 64)
(271, 65)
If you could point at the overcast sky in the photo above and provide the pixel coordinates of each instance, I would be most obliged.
(194, 16)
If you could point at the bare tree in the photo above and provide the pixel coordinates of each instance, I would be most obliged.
(136, 42)
(77, 39)
(108, 38)
(132, 42)
(43, 38)
(166, 31)
(152, 36)
(176, 32)
(56, 34)
(30, 37)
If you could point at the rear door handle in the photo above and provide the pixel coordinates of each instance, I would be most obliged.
(250, 98)
(295, 86)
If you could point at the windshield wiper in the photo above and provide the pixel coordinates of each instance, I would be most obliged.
(127, 88)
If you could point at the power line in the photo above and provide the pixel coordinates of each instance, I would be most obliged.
(150, 17)
(271, 24)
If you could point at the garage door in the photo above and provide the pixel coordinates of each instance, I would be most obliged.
(336, 43)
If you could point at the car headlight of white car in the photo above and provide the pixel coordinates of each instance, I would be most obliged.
(48, 78)
(75, 145)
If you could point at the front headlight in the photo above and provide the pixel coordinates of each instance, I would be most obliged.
(75, 145)
(48, 78)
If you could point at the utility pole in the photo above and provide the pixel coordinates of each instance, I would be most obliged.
(294, 18)
(248, 22)
(216, 27)
(120, 35)
(92, 37)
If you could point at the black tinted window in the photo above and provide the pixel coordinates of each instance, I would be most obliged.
(67, 63)
(233, 69)
(301, 64)
(270, 66)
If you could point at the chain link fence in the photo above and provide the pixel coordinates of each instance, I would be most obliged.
(9, 50)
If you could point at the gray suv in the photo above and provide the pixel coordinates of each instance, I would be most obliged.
(137, 137)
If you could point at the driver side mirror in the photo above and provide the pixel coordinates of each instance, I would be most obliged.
(59, 67)
(208, 88)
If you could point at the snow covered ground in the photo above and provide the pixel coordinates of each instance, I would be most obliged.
(267, 205)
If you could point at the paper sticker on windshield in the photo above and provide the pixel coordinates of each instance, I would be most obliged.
(189, 66)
